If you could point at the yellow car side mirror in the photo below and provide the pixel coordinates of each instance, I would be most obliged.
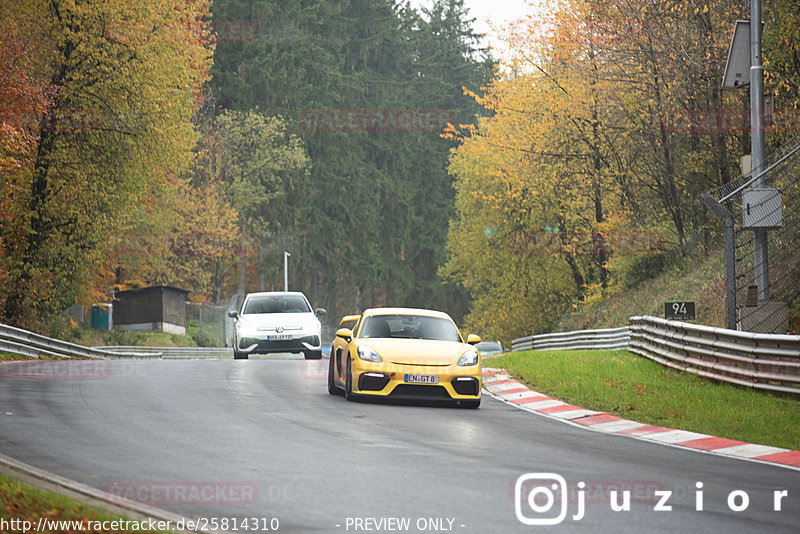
(472, 339)
(345, 333)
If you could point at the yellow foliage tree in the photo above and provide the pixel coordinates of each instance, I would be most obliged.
(126, 77)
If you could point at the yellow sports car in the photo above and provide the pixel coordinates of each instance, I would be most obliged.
(406, 354)
(338, 344)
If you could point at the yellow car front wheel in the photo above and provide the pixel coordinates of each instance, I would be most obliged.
(348, 389)
(332, 389)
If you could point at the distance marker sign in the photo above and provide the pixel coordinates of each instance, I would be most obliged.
(679, 311)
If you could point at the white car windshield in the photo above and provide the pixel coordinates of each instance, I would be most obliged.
(409, 327)
(276, 304)
(486, 347)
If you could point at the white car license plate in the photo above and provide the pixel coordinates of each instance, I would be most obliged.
(422, 379)
(279, 337)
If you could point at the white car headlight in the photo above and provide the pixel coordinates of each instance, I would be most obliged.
(367, 354)
(247, 330)
(469, 358)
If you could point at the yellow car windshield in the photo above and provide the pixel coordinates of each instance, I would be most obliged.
(409, 327)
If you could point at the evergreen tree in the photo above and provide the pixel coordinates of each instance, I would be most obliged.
(367, 225)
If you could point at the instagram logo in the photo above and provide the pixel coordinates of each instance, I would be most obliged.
(541, 492)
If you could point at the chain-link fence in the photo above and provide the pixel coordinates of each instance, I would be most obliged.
(212, 322)
(773, 207)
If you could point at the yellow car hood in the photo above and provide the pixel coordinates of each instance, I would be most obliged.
(416, 351)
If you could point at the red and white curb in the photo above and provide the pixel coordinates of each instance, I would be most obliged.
(501, 386)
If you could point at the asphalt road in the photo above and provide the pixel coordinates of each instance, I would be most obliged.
(263, 439)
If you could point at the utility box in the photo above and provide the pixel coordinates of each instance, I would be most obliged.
(101, 317)
(151, 309)
(761, 208)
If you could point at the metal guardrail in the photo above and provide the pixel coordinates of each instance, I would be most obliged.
(762, 361)
(25, 343)
(601, 339)
(174, 352)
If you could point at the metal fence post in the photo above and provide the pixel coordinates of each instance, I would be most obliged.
(730, 256)
(730, 272)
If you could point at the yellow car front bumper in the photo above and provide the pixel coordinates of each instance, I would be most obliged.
(406, 381)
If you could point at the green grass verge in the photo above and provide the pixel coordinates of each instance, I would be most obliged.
(97, 338)
(24, 503)
(7, 356)
(698, 277)
(636, 388)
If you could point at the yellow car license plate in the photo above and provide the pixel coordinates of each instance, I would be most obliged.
(422, 379)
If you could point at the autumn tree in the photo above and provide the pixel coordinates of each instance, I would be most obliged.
(186, 235)
(599, 140)
(24, 95)
(261, 167)
(126, 76)
(548, 165)
(782, 52)
(24, 89)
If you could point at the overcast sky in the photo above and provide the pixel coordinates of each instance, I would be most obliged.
(498, 13)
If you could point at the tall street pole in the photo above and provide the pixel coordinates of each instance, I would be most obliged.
(286, 270)
(760, 259)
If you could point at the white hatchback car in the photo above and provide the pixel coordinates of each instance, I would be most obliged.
(277, 322)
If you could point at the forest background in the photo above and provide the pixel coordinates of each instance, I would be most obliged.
(191, 143)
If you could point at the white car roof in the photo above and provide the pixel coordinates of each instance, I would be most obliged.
(273, 293)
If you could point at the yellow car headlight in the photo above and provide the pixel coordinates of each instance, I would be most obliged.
(469, 358)
(369, 355)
